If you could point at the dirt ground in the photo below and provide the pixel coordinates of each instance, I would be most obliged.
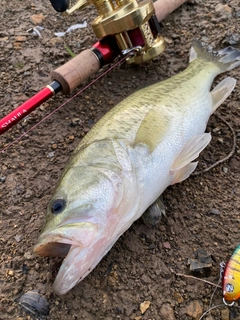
(144, 265)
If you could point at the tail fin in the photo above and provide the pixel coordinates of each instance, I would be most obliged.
(226, 59)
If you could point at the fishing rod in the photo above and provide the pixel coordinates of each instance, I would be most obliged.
(120, 26)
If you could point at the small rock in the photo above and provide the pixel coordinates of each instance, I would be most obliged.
(225, 169)
(203, 256)
(75, 121)
(233, 39)
(54, 146)
(51, 154)
(21, 38)
(224, 9)
(111, 102)
(29, 255)
(34, 304)
(4, 39)
(194, 309)
(113, 278)
(209, 317)
(44, 106)
(225, 314)
(215, 211)
(2, 179)
(234, 164)
(144, 306)
(166, 312)
(28, 194)
(196, 265)
(178, 297)
(37, 18)
(10, 273)
(18, 238)
(166, 245)
(202, 261)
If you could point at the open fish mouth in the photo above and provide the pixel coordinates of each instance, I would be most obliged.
(72, 243)
(58, 241)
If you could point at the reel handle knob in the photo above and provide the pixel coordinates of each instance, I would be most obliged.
(60, 5)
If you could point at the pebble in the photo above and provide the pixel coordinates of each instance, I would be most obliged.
(144, 306)
(75, 121)
(34, 304)
(18, 238)
(194, 309)
(225, 169)
(178, 297)
(215, 211)
(2, 179)
(166, 312)
(10, 273)
(224, 9)
(71, 138)
(21, 38)
(233, 39)
(29, 255)
(225, 314)
(37, 18)
(166, 245)
(209, 317)
(51, 154)
(28, 194)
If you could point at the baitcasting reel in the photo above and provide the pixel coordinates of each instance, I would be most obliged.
(129, 23)
(123, 28)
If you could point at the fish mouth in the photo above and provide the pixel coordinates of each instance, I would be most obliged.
(57, 242)
(71, 242)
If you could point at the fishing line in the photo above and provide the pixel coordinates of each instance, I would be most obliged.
(127, 53)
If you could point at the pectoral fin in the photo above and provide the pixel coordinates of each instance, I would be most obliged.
(152, 129)
(182, 166)
(222, 91)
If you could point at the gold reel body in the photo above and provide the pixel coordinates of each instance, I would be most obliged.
(133, 24)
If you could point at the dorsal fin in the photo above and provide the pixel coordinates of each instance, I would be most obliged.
(152, 129)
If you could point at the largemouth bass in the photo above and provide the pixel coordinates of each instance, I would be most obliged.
(120, 168)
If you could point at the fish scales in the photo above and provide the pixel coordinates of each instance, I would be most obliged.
(130, 156)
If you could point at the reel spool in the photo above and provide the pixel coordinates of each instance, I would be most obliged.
(132, 24)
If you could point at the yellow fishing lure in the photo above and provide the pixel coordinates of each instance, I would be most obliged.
(231, 277)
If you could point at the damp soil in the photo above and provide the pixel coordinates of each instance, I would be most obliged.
(148, 265)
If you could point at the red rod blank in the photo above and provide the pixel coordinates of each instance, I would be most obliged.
(24, 109)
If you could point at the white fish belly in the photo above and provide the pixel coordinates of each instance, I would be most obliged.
(154, 169)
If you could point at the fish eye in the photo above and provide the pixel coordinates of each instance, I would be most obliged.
(58, 205)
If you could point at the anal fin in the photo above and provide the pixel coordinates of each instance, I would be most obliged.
(222, 91)
(182, 166)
